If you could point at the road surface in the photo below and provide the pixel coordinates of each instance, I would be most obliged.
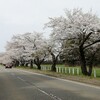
(17, 84)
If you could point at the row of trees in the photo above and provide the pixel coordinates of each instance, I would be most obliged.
(74, 39)
(31, 48)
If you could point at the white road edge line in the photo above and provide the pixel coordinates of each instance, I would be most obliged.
(79, 83)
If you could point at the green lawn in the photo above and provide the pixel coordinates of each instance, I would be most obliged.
(97, 72)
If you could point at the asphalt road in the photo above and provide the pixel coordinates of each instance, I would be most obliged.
(23, 85)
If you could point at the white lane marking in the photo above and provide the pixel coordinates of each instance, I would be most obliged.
(55, 97)
(13, 74)
(50, 95)
(88, 85)
(21, 79)
(43, 92)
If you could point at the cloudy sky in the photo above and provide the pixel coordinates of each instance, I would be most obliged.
(21, 16)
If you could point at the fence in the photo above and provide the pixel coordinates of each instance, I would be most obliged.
(67, 70)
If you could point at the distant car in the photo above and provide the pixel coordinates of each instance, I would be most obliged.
(8, 65)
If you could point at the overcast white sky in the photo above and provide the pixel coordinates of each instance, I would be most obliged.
(21, 16)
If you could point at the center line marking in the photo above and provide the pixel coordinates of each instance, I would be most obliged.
(21, 79)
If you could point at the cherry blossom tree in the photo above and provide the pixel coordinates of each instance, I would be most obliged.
(28, 47)
(4, 58)
(40, 51)
(81, 29)
(54, 49)
(18, 51)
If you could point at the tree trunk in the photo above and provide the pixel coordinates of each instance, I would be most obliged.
(37, 62)
(90, 71)
(39, 66)
(26, 64)
(53, 67)
(83, 61)
(22, 64)
(31, 64)
(91, 63)
(16, 63)
(54, 62)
